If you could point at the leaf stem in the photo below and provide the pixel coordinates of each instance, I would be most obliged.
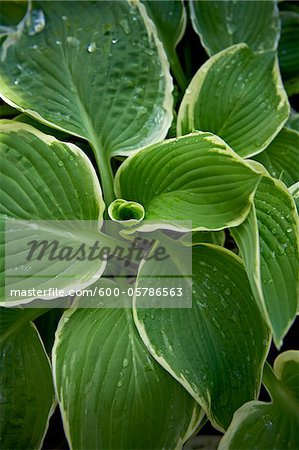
(106, 174)
(178, 71)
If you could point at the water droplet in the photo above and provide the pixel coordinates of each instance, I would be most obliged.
(91, 47)
(72, 40)
(227, 291)
(125, 363)
(58, 42)
(114, 41)
(289, 230)
(16, 82)
(60, 164)
(37, 22)
(120, 383)
(152, 316)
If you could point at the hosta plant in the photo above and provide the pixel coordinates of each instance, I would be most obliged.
(169, 120)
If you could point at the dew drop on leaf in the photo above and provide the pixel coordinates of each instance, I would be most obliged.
(72, 40)
(125, 363)
(91, 47)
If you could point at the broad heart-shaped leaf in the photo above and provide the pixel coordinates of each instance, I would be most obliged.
(215, 349)
(112, 393)
(221, 24)
(27, 394)
(195, 177)
(270, 426)
(170, 19)
(239, 96)
(281, 158)
(288, 50)
(45, 180)
(100, 67)
(268, 242)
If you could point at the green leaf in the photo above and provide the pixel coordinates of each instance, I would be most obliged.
(270, 426)
(127, 213)
(288, 50)
(60, 135)
(208, 237)
(221, 24)
(100, 67)
(109, 386)
(268, 242)
(170, 19)
(46, 180)
(286, 369)
(294, 190)
(293, 121)
(27, 394)
(239, 96)
(281, 158)
(216, 349)
(189, 178)
(45, 174)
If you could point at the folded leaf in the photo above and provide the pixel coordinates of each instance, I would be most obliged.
(215, 349)
(46, 181)
(239, 96)
(268, 242)
(101, 365)
(270, 426)
(281, 158)
(221, 24)
(27, 394)
(195, 177)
